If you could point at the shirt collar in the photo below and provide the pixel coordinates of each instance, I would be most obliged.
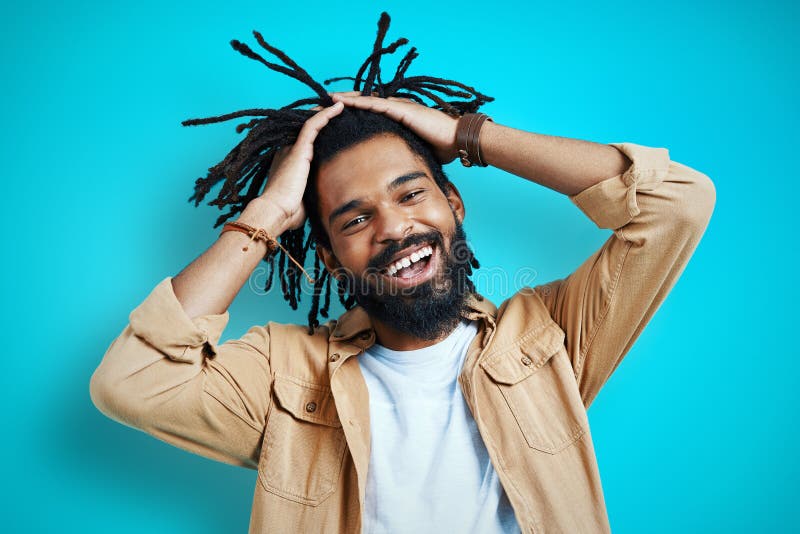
(356, 321)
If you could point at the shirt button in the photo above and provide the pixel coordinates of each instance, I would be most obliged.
(526, 361)
(311, 407)
(334, 357)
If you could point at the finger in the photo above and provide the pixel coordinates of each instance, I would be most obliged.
(309, 131)
(393, 109)
(320, 118)
(364, 102)
(354, 95)
(350, 93)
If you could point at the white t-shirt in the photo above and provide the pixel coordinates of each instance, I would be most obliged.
(429, 470)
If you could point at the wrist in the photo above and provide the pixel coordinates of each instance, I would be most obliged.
(468, 142)
(485, 136)
(449, 151)
(263, 213)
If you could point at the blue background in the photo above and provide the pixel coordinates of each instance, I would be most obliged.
(695, 432)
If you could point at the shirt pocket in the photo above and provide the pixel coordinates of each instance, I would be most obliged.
(537, 383)
(304, 443)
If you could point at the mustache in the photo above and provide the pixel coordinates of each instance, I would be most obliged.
(392, 249)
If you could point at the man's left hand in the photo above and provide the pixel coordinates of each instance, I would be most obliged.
(434, 126)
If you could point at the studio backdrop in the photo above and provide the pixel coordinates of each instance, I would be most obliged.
(695, 430)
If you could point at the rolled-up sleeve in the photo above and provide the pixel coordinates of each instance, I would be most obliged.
(167, 374)
(658, 210)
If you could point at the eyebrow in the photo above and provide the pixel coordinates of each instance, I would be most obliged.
(357, 203)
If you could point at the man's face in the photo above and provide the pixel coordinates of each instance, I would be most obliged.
(395, 236)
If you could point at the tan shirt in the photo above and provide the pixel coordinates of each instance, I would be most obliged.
(295, 407)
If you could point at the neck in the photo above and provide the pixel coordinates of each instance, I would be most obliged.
(394, 339)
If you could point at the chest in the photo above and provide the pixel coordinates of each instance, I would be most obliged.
(517, 384)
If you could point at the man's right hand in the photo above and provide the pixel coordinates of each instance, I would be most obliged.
(288, 174)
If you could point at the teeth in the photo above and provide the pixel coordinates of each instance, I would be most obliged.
(408, 260)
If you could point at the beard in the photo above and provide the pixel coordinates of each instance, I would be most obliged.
(428, 310)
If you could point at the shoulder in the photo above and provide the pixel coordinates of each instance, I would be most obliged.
(294, 352)
(524, 307)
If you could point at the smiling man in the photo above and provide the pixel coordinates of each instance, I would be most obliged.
(410, 280)
(424, 407)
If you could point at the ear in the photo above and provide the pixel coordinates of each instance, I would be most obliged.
(455, 201)
(328, 258)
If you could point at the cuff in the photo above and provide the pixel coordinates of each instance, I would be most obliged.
(612, 202)
(161, 321)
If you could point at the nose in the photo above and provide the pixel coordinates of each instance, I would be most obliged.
(392, 224)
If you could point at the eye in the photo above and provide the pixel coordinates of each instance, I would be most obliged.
(353, 222)
(412, 195)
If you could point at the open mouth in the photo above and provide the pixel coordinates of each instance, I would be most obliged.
(415, 267)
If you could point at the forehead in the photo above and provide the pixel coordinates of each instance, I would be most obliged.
(365, 170)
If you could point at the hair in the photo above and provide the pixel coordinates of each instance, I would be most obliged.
(245, 169)
(349, 128)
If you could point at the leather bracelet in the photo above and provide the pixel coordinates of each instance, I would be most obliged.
(257, 234)
(468, 132)
(262, 235)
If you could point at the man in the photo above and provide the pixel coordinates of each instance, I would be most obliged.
(423, 407)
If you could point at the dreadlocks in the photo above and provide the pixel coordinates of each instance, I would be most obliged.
(272, 129)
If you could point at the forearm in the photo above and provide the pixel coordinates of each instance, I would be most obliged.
(209, 284)
(566, 165)
(157, 375)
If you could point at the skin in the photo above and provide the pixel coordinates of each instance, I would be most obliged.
(210, 283)
(385, 215)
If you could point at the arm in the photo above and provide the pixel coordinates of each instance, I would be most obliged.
(566, 165)
(658, 210)
(167, 374)
(211, 282)
(560, 163)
